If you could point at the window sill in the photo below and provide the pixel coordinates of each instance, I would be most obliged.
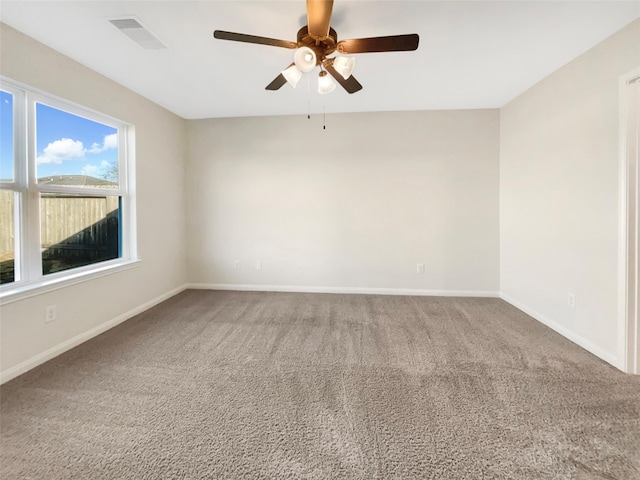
(21, 292)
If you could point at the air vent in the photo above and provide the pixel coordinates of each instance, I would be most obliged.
(126, 23)
(132, 28)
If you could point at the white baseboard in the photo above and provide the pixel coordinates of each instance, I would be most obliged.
(348, 290)
(564, 331)
(47, 355)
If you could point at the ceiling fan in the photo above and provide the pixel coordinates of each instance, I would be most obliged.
(316, 41)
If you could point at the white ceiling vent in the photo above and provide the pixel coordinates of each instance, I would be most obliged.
(132, 28)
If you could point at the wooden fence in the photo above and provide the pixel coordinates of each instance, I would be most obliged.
(6, 225)
(73, 220)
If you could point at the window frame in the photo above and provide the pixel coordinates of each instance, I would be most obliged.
(27, 247)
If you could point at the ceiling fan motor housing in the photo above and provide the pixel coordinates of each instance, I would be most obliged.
(321, 46)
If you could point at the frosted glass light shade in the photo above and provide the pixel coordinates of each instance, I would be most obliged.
(305, 59)
(344, 66)
(325, 84)
(292, 75)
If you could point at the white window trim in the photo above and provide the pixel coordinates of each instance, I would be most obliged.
(70, 277)
(28, 255)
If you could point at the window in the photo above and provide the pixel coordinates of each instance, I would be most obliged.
(65, 201)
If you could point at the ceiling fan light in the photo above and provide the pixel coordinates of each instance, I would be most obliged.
(305, 59)
(344, 66)
(325, 84)
(292, 75)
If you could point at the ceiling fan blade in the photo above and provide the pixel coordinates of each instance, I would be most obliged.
(392, 43)
(277, 82)
(351, 85)
(319, 17)
(241, 37)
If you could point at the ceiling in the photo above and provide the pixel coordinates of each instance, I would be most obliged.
(472, 54)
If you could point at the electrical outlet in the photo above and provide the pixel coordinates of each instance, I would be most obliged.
(50, 313)
(258, 264)
(571, 300)
(236, 264)
(420, 268)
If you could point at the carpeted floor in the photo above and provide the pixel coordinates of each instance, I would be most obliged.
(248, 385)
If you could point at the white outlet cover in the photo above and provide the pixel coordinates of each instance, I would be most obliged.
(50, 313)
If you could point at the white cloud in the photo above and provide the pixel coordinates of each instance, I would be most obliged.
(90, 170)
(68, 149)
(94, 170)
(61, 150)
(109, 142)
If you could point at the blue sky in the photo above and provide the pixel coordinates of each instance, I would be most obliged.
(66, 144)
(6, 132)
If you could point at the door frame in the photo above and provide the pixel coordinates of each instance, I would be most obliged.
(629, 241)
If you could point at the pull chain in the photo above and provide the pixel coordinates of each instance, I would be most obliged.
(324, 117)
(308, 97)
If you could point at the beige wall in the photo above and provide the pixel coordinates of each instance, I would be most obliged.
(559, 195)
(355, 206)
(160, 200)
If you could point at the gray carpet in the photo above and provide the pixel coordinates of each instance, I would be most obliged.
(251, 385)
